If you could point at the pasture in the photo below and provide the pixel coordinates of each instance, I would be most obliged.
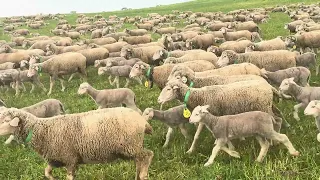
(172, 163)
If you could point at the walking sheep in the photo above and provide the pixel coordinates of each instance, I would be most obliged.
(313, 110)
(117, 71)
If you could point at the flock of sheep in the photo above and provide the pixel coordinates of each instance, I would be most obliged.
(225, 76)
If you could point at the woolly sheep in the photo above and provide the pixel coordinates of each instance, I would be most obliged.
(136, 32)
(303, 95)
(143, 53)
(117, 71)
(237, 46)
(94, 54)
(304, 40)
(110, 97)
(200, 41)
(9, 65)
(207, 56)
(233, 36)
(270, 60)
(121, 62)
(103, 62)
(268, 45)
(301, 76)
(8, 76)
(136, 39)
(313, 110)
(172, 117)
(164, 54)
(59, 65)
(308, 60)
(72, 35)
(228, 99)
(225, 128)
(63, 49)
(121, 132)
(101, 41)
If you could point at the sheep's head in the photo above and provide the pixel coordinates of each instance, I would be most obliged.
(5, 48)
(290, 41)
(227, 57)
(148, 113)
(255, 37)
(181, 76)
(250, 48)
(224, 30)
(191, 44)
(313, 108)
(25, 43)
(160, 54)
(170, 91)
(24, 64)
(213, 49)
(198, 113)
(126, 52)
(102, 70)
(9, 122)
(138, 69)
(83, 88)
(170, 60)
(179, 70)
(286, 85)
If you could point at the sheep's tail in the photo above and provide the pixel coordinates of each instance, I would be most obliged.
(62, 108)
(148, 128)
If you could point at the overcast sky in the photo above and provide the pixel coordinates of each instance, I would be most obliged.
(31, 7)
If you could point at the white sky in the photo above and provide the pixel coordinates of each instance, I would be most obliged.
(31, 7)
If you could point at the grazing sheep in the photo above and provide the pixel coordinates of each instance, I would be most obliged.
(117, 71)
(59, 65)
(103, 62)
(207, 56)
(249, 25)
(172, 117)
(313, 110)
(308, 60)
(146, 26)
(268, 45)
(120, 133)
(301, 76)
(121, 62)
(225, 128)
(270, 60)
(143, 53)
(72, 35)
(114, 47)
(101, 41)
(136, 39)
(227, 99)
(166, 30)
(94, 54)
(110, 97)
(237, 46)
(136, 32)
(35, 79)
(303, 95)
(233, 36)
(200, 41)
(42, 44)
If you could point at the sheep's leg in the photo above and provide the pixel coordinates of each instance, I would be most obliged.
(284, 140)
(183, 130)
(32, 88)
(318, 123)
(143, 161)
(116, 80)
(62, 84)
(317, 69)
(9, 140)
(71, 77)
(139, 80)
(48, 172)
(17, 88)
(264, 144)
(296, 110)
(230, 152)
(38, 83)
(24, 87)
(71, 169)
(195, 138)
(127, 82)
(230, 145)
(110, 80)
(52, 79)
(169, 133)
(219, 143)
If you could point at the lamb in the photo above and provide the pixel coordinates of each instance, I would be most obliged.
(94, 54)
(172, 117)
(245, 96)
(136, 39)
(43, 109)
(121, 62)
(303, 95)
(143, 53)
(117, 71)
(160, 74)
(119, 136)
(237, 46)
(103, 62)
(207, 56)
(136, 32)
(59, 65)
(225, 128)
(162, 54)
(300, 74)
(308, 60)
(313, 110)
(8, 76)
(108, 98)
(269, 45)
(270, 60)
(9, 65)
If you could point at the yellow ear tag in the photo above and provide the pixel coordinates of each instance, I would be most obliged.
(186, 113)
(146, 84)
(294, 47)
(40, 74)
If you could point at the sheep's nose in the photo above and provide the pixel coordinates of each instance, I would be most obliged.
(159, 101)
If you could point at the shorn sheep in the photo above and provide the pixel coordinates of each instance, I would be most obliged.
(225, 128)
(110, 97)
(97, 136)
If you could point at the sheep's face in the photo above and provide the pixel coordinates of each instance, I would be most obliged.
(249, 48)
(24, 44)
(97, 63)
(158, 55)
(224, 59)
(3, 49)
(213, 49)
(169, 92)
(198, 113)
(33, 70)
(9, 123)
(126, 53)
(83, 88)
(313, 109)
(101, 71)
(285, 85)
(137, 70)
(148, 113)
(290, 41)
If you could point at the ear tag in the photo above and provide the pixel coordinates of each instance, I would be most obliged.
(294, 47)
(184, 80)
(146, 84)
(186, 112)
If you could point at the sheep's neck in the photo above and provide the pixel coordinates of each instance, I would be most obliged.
(28, 123)
(210, 120)
(93, 93)
(158, 115)
(295, 90)
(44, 66)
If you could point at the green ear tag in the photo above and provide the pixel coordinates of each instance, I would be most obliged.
(146, 84)
(236, 61)
(28, 139)
(186, 112)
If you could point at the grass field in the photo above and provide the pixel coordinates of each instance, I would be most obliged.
(17, 162)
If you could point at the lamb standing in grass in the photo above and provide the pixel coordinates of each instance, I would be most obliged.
(313, 109)
(172, 117)
(117, 71)
(110, 97)
(228, 127)
(97, 136)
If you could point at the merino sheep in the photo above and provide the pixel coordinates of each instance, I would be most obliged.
(228, 127)
(207, 56)
(172, 117)
(270, 60)
(59, 65)
(313, 110)
(120, 131)
(303, 95)
(300, 74)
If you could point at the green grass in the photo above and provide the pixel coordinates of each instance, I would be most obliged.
(17, 162)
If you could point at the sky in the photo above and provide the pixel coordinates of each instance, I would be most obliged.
(32, 7)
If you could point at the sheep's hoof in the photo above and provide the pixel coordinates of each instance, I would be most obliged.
(297, 153)
(318, 137)
(235, 154)
(49, 93)
(62, 90)
(189, 151)
(259, 160)
(165, 146)
(207, 164)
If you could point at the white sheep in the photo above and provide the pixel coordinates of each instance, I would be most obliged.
(313, 109)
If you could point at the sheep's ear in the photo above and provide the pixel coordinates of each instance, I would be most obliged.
(161, 53)
(175, 87)
(142, 67)
(14, 122)
(205, 108)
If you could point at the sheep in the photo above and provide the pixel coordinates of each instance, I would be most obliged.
(143, 53)
(14, 57)
(96, 34)
(60, 65)
(18, 40)
(172, 117)
(136, 39)
(117, 35)
(300, 74)
(237, 46)
(243, 96)
(160, 74)
(9, 65)
(136, 32)
(42, 44)
(167, 30)
(303, 95)
(249, 25)
(8, 76)
(269, 45)
(117, 71)
(162, 54)
(7, 49)
(200, 41)
(146, 26)
(270, 60)
(94, 54)
(119, 136)
(43, 109)
(292, 25)
(308, 60)
(72, 35)
(304, 40)
(225, 128)
(233, 36)
(110, 97)
(114, 47)
(121, 62)
(101, 41)
(115, 54)
(208, 56)
(313, 110)
(63, 49)
(103, 62)
(34, 80)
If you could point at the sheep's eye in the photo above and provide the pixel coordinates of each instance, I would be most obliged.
(313, 106)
